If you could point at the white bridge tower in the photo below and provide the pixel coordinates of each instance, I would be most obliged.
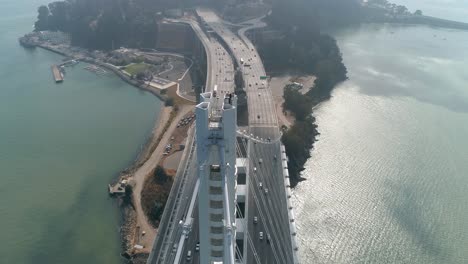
(216, 124)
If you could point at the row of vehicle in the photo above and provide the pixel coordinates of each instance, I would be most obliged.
(268, 237)
(186, 120)
(189, 253)
(167, 149)
(260, 234)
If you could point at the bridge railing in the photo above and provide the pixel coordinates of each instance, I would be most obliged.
(292, 222)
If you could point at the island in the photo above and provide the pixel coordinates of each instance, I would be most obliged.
(143, 42)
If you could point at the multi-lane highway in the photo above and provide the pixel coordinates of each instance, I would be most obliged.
(261, 106)
(220, 76)
(267, 198)
(168, 242)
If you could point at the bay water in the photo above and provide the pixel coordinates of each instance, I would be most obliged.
(388, 178)
(386, 184)
(60, 145)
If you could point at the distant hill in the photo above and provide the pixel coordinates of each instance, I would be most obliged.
(107, 24)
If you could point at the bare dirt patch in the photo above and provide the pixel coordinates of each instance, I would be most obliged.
(277, 85)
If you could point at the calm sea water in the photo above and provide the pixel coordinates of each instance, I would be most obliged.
(388, 179)
(60, 145)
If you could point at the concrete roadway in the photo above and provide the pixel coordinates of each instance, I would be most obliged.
(259, 98)
(220, 73)
(191, 242)
(220, 70)
(181, 191)
(271, 209)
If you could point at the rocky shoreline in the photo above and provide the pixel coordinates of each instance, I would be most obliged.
(127, 234)
(90, 60)
(129, 226)
(127, 212)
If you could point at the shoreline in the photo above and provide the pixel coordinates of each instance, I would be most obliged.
(286, 118)
(129, 215)
(107, 66)
(128, 221)
(139, 160)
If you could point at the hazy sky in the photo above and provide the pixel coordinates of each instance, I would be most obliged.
(449, 9)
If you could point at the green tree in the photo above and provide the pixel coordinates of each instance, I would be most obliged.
(401, 10)
(59, 18)
(140, 76)
(128, 197)
(42, 22)
(300, 105)
(298, 140)
(160, 175)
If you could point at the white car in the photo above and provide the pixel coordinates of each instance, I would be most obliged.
(260, 235)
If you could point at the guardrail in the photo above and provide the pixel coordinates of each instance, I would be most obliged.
(167, 221)
(292, 223)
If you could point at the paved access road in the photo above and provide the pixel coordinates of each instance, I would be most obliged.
(181, 192)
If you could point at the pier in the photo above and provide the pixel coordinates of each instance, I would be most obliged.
(118, 188)
(97, 70)
(69, 63)
(58, 77)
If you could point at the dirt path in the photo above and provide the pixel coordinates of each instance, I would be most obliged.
(283, 119)
(141, 173)
(277, 86)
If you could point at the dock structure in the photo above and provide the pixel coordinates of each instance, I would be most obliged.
(97, 70)
(118, 188)
(57, 74)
